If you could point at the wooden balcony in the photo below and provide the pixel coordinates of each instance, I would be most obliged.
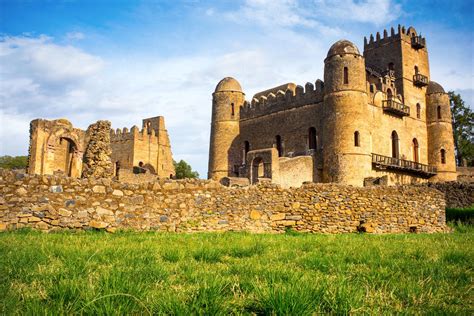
(385, 162)
(418, 42)
(420, 80)
(395, 107)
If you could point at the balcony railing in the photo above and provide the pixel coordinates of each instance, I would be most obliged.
(395, 107)
(418, 42)
(385, 162)
(420, 80)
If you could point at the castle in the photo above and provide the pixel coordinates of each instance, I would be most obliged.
(56, 146)
(376, 118)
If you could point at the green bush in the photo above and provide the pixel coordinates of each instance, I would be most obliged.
(463, 215)
(17, 162)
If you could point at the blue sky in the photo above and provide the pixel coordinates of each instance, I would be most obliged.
(128, 60)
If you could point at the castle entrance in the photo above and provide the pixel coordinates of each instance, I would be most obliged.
(258, 169)
(65, 157)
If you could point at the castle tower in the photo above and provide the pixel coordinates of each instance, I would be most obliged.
(403, 54)
(226, 102)
(440, 133)
(346, 133)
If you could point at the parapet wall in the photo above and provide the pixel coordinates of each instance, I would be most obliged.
(283, 100)
(54, 203)
(379, 40)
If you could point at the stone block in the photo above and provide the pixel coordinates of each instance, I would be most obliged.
(64, 212)
(117, 193)
(98, 189)
(103, 211)
(255, 215)
(56, 188)
(277, 217)
(21, 191)
(3, 227)
(98, 224)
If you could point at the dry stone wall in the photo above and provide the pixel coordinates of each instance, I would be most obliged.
(54, 202)
(458, 194)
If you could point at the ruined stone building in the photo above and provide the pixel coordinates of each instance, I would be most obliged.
(56, 146)
(376, 118)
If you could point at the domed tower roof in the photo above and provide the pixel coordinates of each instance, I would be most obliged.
(228, 84)
(343, 47)
(434, 87)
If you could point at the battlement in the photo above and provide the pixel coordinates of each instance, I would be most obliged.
(283, 100)
(402, 33)
(135, 134)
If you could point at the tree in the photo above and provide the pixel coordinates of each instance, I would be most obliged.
(184, 170)
(463, 125)
(17, 162)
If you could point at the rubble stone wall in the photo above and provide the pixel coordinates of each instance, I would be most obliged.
(58, 202)
(458, 194)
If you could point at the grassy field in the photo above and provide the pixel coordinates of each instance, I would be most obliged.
(235, 273)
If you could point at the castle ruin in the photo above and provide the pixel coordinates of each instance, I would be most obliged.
(376, 118)
(57, 147)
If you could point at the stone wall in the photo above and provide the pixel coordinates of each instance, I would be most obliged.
(458, 194)
(54, 202)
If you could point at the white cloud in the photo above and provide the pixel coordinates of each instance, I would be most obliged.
(73, 36)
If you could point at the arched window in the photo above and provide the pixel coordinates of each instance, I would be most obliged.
(346, 75)
(312, 140)
(279, 146)
(438, 111)
(391, 66)
(418, 110)
(246, 150)
(232, 109)
(415, 150)
(356, 139)
(443, 156)
(389, 94)
(416, 70)
(395, 152)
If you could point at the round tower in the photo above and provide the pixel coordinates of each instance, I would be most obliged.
(346, 139)
(440, 133)
(223, 151)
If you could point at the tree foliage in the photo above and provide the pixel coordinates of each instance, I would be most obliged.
(16, 162)
(463, 126)
(184, 170)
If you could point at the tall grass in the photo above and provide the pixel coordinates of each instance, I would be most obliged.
(236, 273)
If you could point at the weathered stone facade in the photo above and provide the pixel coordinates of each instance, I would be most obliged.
(376, 114)
(56, 146)
(57, 202)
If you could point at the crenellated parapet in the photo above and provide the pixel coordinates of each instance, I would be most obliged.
(283, 100)
(402, 33)
(134, 134)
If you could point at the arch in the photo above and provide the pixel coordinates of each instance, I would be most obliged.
(389, 94)
(246, 151)
(443, 156)
(356, 139)
(416, 151)
(346, 75)
(312, 138)
(418, 110)
(438, 112)
(395, 145)
(279, 145)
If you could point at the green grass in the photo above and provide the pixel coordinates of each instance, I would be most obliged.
(236, 273)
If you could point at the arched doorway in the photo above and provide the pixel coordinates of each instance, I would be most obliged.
(279, 145)
(246, 151)
(395, 145)
(416, 157)
(389, 94)
(64, 157)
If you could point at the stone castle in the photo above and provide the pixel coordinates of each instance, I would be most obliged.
(57, 147)
(376, 119)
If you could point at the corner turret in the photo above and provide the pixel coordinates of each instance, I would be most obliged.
(226, 102)
(440, 133)
(346, 139)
